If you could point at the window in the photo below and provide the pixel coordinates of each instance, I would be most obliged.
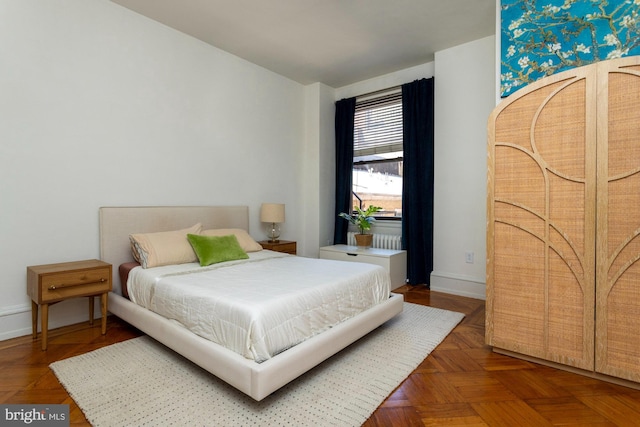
(377, 153)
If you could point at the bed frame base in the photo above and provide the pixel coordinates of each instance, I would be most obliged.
(257, 380)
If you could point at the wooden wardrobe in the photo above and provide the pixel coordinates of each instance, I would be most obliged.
(563, 221)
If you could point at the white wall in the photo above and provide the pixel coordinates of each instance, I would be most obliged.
(318, 169)
(464, 98)
(101, 106)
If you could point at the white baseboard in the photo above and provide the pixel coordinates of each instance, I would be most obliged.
(458, 285)
(15, 321)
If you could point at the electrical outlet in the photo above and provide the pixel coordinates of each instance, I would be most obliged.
(468, 257)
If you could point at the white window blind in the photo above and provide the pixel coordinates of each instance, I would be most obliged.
(378, 125)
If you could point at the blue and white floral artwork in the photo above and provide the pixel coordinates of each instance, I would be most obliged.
(543, 37)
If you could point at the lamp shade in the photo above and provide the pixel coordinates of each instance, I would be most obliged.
(272, 212)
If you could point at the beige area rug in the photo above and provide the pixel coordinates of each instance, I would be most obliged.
(140, 382)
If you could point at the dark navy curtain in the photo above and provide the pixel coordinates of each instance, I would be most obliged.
(345, 112)
(417, 190)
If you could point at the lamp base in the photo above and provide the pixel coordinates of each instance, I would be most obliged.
(273, 232)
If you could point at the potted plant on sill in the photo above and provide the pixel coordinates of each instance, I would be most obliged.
(363, 220)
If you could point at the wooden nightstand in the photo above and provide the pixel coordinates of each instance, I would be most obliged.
(285, 246)
(52, 283)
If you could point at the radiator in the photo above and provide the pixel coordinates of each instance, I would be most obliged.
(381, 241)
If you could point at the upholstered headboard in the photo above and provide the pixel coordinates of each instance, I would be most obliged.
(117, 223)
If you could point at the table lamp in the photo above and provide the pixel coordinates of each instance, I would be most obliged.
(273, 215)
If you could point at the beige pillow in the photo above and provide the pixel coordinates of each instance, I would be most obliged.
(246, 241)
(164, 248)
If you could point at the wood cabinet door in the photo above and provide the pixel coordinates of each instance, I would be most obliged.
(618, 271)
(541, 220)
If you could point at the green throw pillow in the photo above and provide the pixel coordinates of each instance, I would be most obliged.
(214, 249)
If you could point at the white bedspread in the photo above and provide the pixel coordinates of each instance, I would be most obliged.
(260, 306)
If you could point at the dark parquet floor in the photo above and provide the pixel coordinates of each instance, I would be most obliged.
(462, 382)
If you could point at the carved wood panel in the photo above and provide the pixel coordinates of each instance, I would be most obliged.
(563, 220)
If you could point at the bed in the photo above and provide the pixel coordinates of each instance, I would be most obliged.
(257, 380)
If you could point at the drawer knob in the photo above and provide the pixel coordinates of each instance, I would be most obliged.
(352, 254)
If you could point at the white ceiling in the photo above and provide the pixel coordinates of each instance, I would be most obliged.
(336, 42)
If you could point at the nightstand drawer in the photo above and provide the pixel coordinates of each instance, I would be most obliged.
(284, 246)
(287, 248)
(75, 284)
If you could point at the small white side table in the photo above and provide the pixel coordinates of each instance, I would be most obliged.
(395, 261)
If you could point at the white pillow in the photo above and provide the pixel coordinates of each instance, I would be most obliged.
(244, 239)
(164, 248)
